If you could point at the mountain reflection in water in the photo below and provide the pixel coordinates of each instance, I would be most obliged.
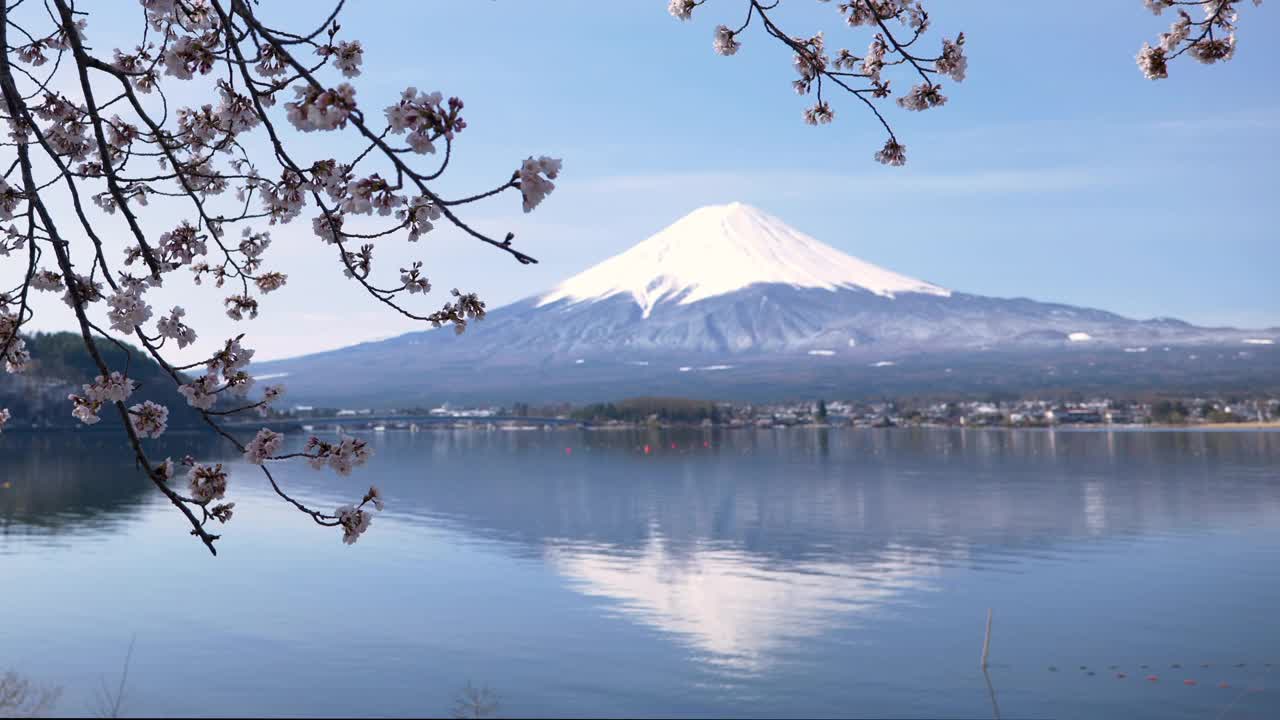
(786, 571)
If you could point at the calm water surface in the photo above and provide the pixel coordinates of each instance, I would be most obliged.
(778, 573)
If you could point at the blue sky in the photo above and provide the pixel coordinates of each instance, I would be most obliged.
(1055, 171)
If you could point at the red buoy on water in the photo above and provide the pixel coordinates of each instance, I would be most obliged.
(1189, 682)
(568, 451)
(647, 449)
(1224, 684)
(1153, 678)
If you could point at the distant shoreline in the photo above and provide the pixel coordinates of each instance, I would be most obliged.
(475, 425)
(1254, 424)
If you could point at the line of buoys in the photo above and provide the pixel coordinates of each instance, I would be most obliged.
(1172, 666)
(1190, 682)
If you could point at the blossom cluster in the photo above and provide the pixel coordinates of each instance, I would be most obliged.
(354, 521)
(348, 453)
(1209, 39)
(270, 394)
(265, 445)
(207, 482)
(13, 348)
(535, 180)
(171, 326)
(112, 388)
(149, 419)
(12, 240)
(425, 118)
(466, 307)
(345, 56)
(321, 109)
(128, 309)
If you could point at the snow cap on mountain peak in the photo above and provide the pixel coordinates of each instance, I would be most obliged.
(719, 249)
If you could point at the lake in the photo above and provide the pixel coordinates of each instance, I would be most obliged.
(812, 572)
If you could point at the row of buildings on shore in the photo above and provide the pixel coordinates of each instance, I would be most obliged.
(1003, 413)
(1020, 413)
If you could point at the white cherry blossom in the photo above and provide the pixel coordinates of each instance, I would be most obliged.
(149, 419)
(354, 522)
(171, 326)
(207, 482)
(681, 9)
(535, 180)
(725, 43)
(263, 446)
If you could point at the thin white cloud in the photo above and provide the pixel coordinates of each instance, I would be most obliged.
(1217, 122)
(729, 183)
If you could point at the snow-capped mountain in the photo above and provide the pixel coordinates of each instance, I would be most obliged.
(722, 249)
(730, 301)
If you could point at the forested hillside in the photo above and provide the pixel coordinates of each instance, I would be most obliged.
(37, 398)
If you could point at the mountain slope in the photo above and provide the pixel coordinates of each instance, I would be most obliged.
(731, 299)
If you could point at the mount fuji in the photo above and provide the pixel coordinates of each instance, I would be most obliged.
(719, 250)
(730, 302)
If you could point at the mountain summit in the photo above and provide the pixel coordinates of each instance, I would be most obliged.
(719, 249)
(729, 302)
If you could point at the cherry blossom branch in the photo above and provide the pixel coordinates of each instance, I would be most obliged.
(16, 108)
(861, 76)
(201, 158)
